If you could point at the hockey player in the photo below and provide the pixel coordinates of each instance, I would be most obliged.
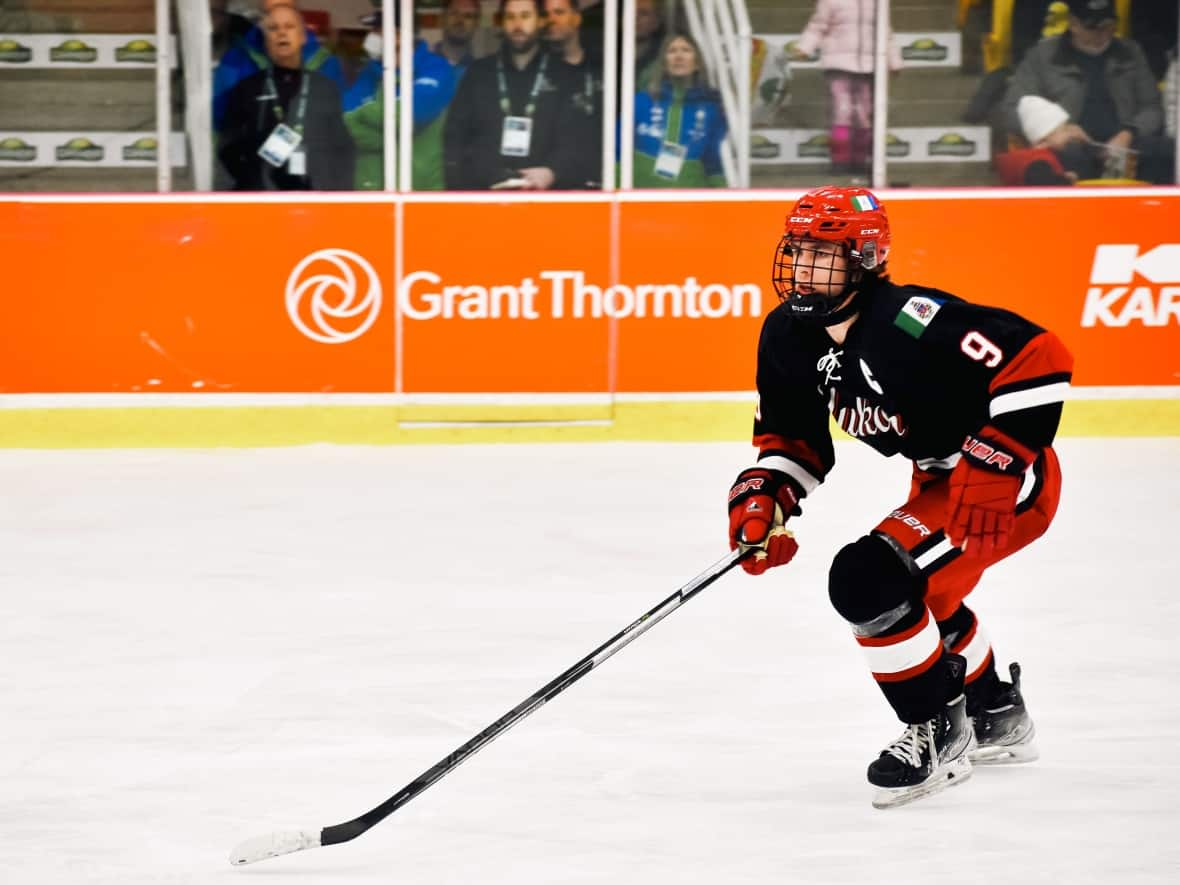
(972, 395)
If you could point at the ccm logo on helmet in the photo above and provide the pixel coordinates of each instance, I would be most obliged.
(1121, 305)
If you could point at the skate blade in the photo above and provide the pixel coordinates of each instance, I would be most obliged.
(952, 775)
(1014, 755)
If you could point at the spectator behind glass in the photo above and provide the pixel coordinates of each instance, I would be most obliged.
(649, 38)
(563, 36)
(284, 128)
(248, 55)
(513, 122)
(229, 28)
(460, 21)
(1090, 97)
(1171, 90)
(679, 122)
(844, 32)
(434, 84)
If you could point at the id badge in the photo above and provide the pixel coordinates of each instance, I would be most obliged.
(279, 145)
(297, 165)
(516, 137)
(671, 160)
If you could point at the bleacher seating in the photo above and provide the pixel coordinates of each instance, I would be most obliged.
(99, 16)
(43, 99)
(934, 97)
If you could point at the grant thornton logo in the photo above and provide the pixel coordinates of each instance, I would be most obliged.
(333, 296)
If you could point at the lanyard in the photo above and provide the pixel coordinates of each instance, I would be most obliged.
(300, 108)
(502, 83)
(675, 120)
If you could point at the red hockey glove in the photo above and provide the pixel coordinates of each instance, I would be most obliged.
(981, 510)
(760, 502)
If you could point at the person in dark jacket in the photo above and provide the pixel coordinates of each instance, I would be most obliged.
(564, 38)
(245, 54)
(284, 126)
(1104, 87)
(459, 23)
(513, 122)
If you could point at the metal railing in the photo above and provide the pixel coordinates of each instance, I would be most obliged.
(722, 28)
(194, 26)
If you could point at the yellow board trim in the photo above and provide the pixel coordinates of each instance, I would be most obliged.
(261, 426)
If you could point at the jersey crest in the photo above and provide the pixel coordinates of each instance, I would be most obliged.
(829, 364)
(916, 314)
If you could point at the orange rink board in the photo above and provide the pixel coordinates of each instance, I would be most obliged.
(485, 299)
(181, 297)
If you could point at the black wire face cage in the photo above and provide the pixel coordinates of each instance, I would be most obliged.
(793, 255)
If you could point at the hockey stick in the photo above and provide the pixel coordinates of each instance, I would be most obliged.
(288, 841)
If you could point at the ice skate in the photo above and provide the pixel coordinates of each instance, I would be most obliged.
(1003, 729)
(927, 758)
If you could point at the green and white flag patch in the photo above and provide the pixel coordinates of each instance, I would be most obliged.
(916, 315)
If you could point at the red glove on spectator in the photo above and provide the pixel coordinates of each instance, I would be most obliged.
(760, 502)
(981, 510)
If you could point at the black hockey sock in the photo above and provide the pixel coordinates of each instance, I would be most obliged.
(983, 684)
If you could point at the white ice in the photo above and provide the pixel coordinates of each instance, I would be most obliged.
(197, 647)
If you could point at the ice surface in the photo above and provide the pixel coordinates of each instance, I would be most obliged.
(201, 647)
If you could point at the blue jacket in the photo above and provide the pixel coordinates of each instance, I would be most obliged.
(434, 85)
(692, 117)
(460, 67)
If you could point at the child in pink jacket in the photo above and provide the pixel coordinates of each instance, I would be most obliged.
(844, 31)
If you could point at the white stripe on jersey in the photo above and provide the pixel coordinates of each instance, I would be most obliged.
(1027, 399)
(904, 655)
(942, 548)
(946, 463)
(792, 469)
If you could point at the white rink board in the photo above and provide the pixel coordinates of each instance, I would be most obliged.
(905, 144)
(23, 51)
(919, 49)
(202, 646)
(84, 148)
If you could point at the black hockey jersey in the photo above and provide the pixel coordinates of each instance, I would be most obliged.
(918, 372)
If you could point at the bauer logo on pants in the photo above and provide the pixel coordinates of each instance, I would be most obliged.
(333, 296)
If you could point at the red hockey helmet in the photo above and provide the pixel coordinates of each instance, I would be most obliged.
(850, 216)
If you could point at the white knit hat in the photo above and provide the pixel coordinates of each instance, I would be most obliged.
(1039, 117)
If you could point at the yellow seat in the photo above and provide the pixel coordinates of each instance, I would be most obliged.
(964, 8)
(1111, 182)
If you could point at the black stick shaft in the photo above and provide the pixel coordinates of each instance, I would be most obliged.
(351, 829)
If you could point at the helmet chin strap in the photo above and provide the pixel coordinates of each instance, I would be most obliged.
(854, 294)
(840, 314)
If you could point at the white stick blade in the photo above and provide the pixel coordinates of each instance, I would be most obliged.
(273, 845)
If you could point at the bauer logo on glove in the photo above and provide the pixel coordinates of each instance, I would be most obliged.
(760, 501)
